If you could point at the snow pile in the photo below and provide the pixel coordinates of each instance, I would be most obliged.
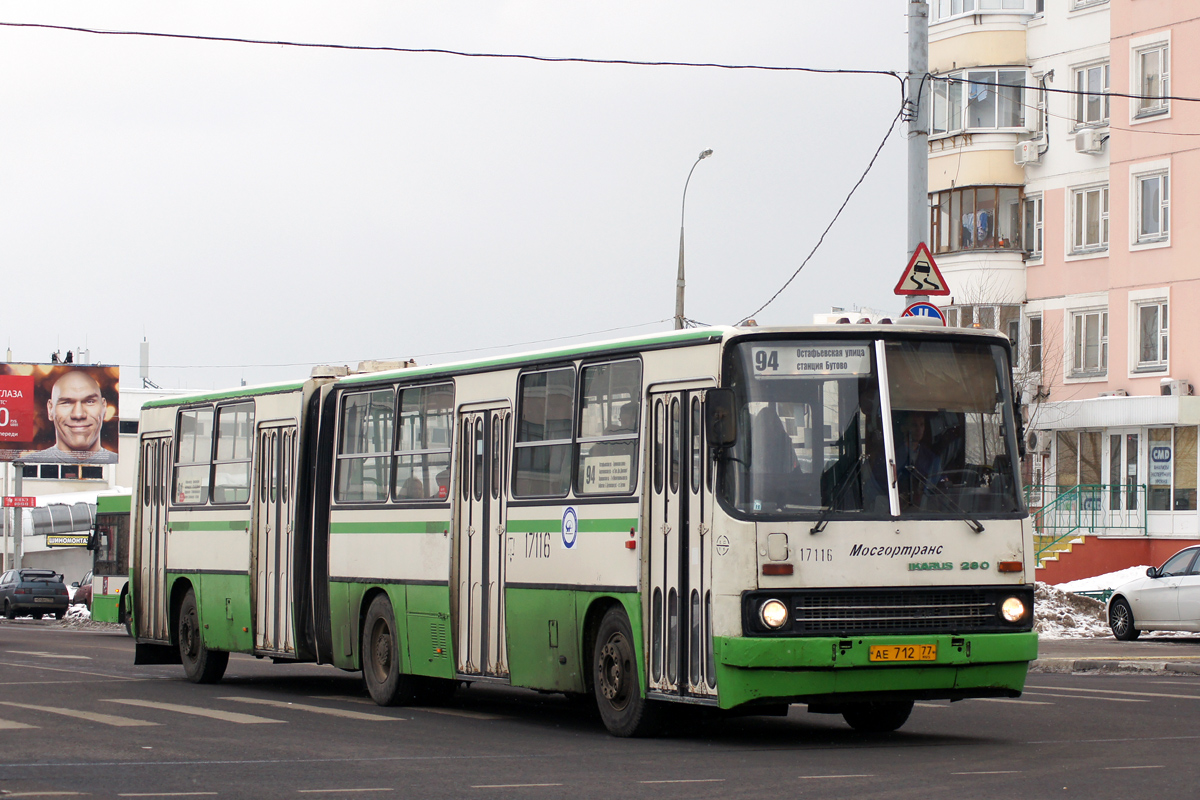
(1063, 615)
(78, 612)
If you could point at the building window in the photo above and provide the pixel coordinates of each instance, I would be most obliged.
(1091, 104)
(1152, 65)
(128, 426)
(1077, 4)
(1172, 478)
(941, 10)
(1152, 203)
(1091, 219)
(1035, 344)
(1152, 336)
(1089, 341)
(976, 218)
(985, 99)
(1033, 227)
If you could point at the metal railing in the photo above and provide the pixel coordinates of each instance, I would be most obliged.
(1063, 512)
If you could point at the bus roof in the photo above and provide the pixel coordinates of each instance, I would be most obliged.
(224, 394)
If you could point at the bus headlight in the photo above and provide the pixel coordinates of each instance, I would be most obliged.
(1012, 609)
(774, 614)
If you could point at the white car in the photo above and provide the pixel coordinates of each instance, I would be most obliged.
(1167, 599)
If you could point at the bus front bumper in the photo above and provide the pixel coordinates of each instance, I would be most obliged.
(826, 670)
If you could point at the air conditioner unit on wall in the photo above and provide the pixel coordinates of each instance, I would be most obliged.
(1039, 441)
(1089, 140)
(1175, 388)
(1027, 153)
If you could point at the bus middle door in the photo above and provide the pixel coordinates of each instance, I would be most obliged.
(274, 546)
(154, 495)
(482, 504)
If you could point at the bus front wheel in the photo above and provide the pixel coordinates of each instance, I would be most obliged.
(883, 716)
(201, 664)
(381, 656)
(623, 708)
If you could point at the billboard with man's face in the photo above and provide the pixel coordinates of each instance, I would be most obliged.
(59, 413)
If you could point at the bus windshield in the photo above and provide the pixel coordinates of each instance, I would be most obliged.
(811, 430)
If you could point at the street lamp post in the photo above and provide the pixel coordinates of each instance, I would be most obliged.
(679, 282)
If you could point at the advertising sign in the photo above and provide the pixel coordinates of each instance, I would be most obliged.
(1160, 465)
(59, 413)
(20, 502)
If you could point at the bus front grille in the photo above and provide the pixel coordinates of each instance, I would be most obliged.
(867, 612)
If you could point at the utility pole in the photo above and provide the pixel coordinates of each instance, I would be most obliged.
(18, 468)
(917, 114)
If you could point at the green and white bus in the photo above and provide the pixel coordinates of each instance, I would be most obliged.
(739, 518)
(110, 559)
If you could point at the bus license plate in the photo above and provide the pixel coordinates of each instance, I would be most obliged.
(903, 652)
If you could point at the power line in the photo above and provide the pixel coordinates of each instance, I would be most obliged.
(460, 53)
(418, 355)
(841, 208)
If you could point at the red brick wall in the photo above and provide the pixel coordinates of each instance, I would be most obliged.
(1098, 556)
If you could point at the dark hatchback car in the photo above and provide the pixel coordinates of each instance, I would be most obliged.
(83, 592)
(33, 591)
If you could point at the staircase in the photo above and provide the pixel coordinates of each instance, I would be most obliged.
(1079, 511)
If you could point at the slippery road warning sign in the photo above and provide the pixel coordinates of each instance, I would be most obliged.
(922, 275)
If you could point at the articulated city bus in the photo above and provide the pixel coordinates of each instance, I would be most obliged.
(739, 518)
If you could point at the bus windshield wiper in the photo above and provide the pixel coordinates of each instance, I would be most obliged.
(953, 506)
(838, 490)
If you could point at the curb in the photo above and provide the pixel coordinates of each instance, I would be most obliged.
(1046, 665)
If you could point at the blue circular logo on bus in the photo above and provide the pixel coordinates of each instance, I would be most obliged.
(570, 527)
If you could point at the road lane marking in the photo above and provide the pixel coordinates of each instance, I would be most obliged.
(1086, 697)
(931, 705)
(1146, 766)
(457, 712)
(226, 716)
(166, 794)
(991, 772)
(1117, 691)
(9, 725)
(333, 712)
(43, 654)
(1014, 700)
(689, 780)
(514, 785)
(28, 665)
(824, 777)
(42, 794)
(321, 791)
(91, 716)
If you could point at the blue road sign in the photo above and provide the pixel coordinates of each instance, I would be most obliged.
(924, 310)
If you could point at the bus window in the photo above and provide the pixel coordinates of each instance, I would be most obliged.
(542, 451)
(364, 447)
(697, 445)
(607, 444)
(660, 436)
(193, 456)
(423, 443)
(231, 470)
(951, 415)
(676, 445)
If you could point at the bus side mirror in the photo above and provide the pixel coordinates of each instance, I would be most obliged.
(91, 544)
(720, 419)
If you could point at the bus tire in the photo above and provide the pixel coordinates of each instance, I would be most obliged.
(381, 656)
(623, 708)
(880, 716)
(201, 664)
(123, 617)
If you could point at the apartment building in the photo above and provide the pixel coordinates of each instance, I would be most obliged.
(1067, 217)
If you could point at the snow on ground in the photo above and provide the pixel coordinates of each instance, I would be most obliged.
(1109, 580)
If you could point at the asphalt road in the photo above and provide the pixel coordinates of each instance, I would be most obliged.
(77, 718)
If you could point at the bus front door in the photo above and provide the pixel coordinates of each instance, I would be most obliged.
(482, 504)
(680, 547)
(274, 540)
(153, 491)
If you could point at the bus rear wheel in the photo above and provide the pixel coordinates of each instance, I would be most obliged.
(199, 663)
(381, 656)
(623, 708)
(881, 716)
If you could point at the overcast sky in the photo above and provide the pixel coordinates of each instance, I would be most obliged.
(252, 210)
